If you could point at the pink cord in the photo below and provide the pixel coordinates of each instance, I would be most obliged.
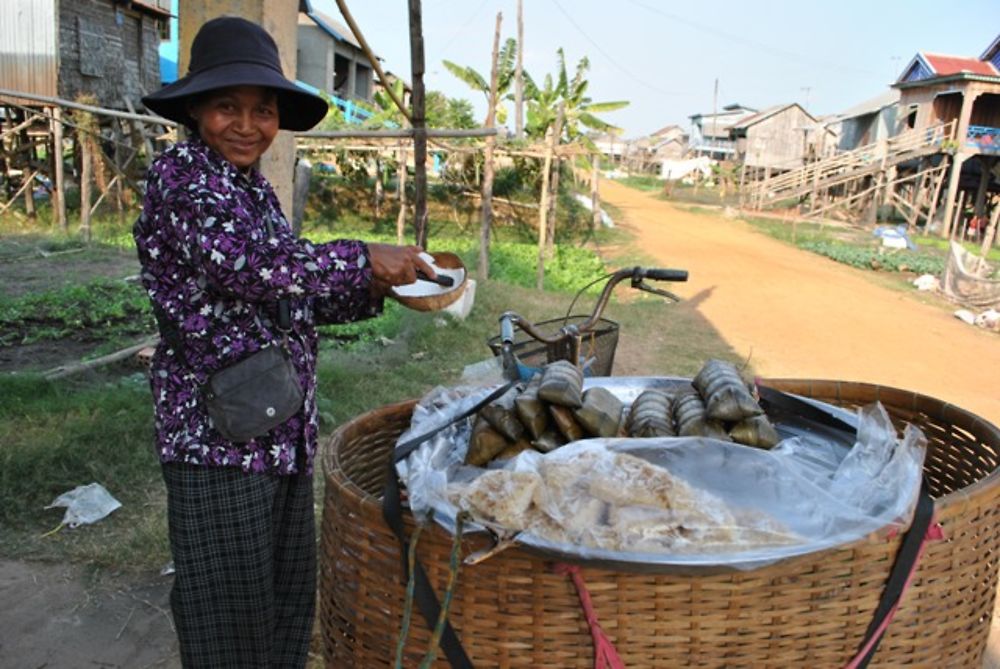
(605, 655)
(934, 533)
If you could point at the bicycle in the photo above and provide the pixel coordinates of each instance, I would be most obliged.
(587, 341)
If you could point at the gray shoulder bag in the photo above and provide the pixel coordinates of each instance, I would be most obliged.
(253, 396)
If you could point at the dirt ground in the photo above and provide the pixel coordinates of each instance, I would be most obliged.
(792, 313)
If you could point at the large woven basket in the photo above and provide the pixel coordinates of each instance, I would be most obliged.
(513, 611)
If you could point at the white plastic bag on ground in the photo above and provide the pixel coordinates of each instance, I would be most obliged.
(85, 504)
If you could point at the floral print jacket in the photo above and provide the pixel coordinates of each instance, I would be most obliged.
(214, 275)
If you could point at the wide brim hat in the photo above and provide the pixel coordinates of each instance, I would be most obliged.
(231, 51)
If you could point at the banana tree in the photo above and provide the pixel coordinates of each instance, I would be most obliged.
(505, 77)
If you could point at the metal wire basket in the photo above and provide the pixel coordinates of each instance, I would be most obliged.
(597, 345)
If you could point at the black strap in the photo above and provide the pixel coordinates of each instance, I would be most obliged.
(392, 511)
(907, 556)
(909, 550)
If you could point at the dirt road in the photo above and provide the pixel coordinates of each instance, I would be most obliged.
(797, 314)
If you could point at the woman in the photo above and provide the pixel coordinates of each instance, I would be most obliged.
(218, 258)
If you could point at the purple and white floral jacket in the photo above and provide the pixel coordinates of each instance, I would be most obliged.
(214, 274)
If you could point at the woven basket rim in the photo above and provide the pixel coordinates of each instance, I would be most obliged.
(335, 473)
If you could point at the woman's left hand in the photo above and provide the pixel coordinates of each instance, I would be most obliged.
(396, 266)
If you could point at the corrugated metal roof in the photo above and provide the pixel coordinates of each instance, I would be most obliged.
(28, 43)
(870, 106)
(328, 24)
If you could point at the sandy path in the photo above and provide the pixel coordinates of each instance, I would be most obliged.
(800, 315)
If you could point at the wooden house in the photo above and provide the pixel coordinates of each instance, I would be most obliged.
(871, 121)
(963, 95)
(780, 137)
(331, 59)
(710, 132)
(107, 49)
(669, 143)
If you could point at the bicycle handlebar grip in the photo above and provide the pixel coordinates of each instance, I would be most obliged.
(666, 274)
(507, 328)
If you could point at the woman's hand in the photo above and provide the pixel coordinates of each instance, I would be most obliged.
(396, 266)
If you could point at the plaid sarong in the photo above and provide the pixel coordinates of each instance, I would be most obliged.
(244, 550)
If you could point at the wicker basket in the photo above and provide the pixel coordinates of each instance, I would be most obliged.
(597, 345)
(513, 611)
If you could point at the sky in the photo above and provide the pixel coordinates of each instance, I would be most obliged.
(664, 57)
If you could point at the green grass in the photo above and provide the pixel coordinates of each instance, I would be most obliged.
(99, 309)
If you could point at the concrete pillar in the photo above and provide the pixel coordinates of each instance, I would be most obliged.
(352, 79)
(280, 19)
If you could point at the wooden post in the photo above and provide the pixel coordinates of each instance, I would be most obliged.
(487, 191)
(519, 75)
(937, 193)
(419, 123)
(554, 175)
(957, 218)
(991, 232)
(543, 207)
(401, 192)
(985, 167)
(29, 194)
(86, 167)
(58, 176)
(595, 192)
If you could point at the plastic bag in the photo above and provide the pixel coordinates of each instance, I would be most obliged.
(733, 505)
(85, 504)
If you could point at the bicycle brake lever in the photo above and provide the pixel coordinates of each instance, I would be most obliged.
(642, 285)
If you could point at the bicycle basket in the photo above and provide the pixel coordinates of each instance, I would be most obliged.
(597, 345)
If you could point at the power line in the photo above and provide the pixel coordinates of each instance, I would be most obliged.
(608, 56)
(758, 45)
(454, 36)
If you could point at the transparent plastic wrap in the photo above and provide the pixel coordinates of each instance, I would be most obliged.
(684, 503)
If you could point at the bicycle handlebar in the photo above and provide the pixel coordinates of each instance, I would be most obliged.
(509, 319)
(664, 274)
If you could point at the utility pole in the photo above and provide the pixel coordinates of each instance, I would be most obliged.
(519, 75)
(806, 89)
(715, 117)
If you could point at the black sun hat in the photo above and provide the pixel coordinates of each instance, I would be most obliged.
(230, 51)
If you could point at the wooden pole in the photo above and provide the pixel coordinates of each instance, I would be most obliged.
(543, 207)
(556, 171)
(29, 192)
(419, 123)
(937, 193)
(401, 195)
(86, 167)
(519, 75)
(59, 183)
(991, 232)
(595, 192)
(957, 218)
(487, 186)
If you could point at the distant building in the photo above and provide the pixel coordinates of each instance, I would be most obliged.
(331, 59)
(668, 143)
(710, 132)
(871, 121)
(779, 137)
(108, 49)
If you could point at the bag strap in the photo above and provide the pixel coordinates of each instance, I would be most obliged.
(392, 511)
(913, 541)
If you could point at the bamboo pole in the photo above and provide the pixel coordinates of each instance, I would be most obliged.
(59, 178)
(67, 370)
(483, 272)
(519, 75)
(937, 193)
(554, 174)
(543, 207)
(419, 122)
(595, 192)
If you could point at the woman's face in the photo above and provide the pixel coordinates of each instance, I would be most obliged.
(239, 122)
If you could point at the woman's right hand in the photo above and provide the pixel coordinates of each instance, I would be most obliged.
(396, 266)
